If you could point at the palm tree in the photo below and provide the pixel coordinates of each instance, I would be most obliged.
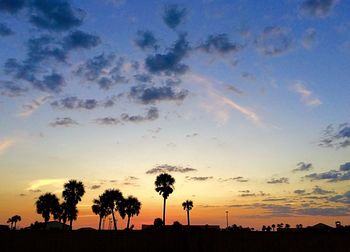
(15, 219)
(10, 221)
(46, 205)
(273, 227)
(188, 205)
(164, 186)
(100, 208)
(72, 194)
(131, 207)
(113, 199)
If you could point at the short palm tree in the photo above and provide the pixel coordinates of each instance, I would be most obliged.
(164, 186)
(188, 205)
(113, 199)
(100, 208)
(15, 219)
(72, 193)
(132, 206)
(10, 221)
(46, 205)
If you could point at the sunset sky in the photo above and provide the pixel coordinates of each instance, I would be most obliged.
(245, 103)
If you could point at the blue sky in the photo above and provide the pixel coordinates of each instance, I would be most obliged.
(244, 92)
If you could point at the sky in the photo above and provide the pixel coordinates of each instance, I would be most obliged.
(244, 103)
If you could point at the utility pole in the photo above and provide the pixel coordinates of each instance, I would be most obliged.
(227, 219)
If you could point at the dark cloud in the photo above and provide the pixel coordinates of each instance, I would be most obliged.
(336, 136)
(103, 70)
(300, 191)
(152, 114)
(341, 198)
(317, 8)
(336, 211)
(151, 95)
(282, 180)
(235, 90)
(146, 40)
(55, 15)
(247, 193)
(169, 168)
(173, 15)
(10, 89)
(107, 121)
(80, 40)
(237, 179)
(94, 187)
(273, 41)
(170, 62)
(287, 210)
(274, 199)
(320, 191)
(50, 83)
(219, 43)
(146, 78)
(342, 174)
(11, 6)
(73, 102)
(5, 30)
(43, 48)
(345, 167)
(65, 121)
(197, 178)
(302, 166)
(248, 76)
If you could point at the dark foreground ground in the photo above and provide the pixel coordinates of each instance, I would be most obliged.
(154, 241)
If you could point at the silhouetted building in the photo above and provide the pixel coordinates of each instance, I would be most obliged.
(320, 227)
(183, 227)
(4, 228)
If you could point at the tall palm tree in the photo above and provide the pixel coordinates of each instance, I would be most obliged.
(46, 205)
(131, 207)
(164, 186)
(113, 199)
(72, 193)
(101, 209)
(188, 205)
(15, 219)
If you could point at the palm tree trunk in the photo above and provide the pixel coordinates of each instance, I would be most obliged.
(164, 204)
(15, 224)
(115, 225)
(127, 226)
(188, 217)
(70, 224)
(99, 224)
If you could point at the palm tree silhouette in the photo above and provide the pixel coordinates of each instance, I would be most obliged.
(101, 209)
(10, 221)
(15, 219)
(188, 205)
(164, 186)
(72, 194)
(131, 207)
(113, 199)
(273, 227)
(46, 205)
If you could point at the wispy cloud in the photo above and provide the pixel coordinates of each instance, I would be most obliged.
(37, 184)
(5, 144)
(306, 95)
(29, 108)
(221, 102)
